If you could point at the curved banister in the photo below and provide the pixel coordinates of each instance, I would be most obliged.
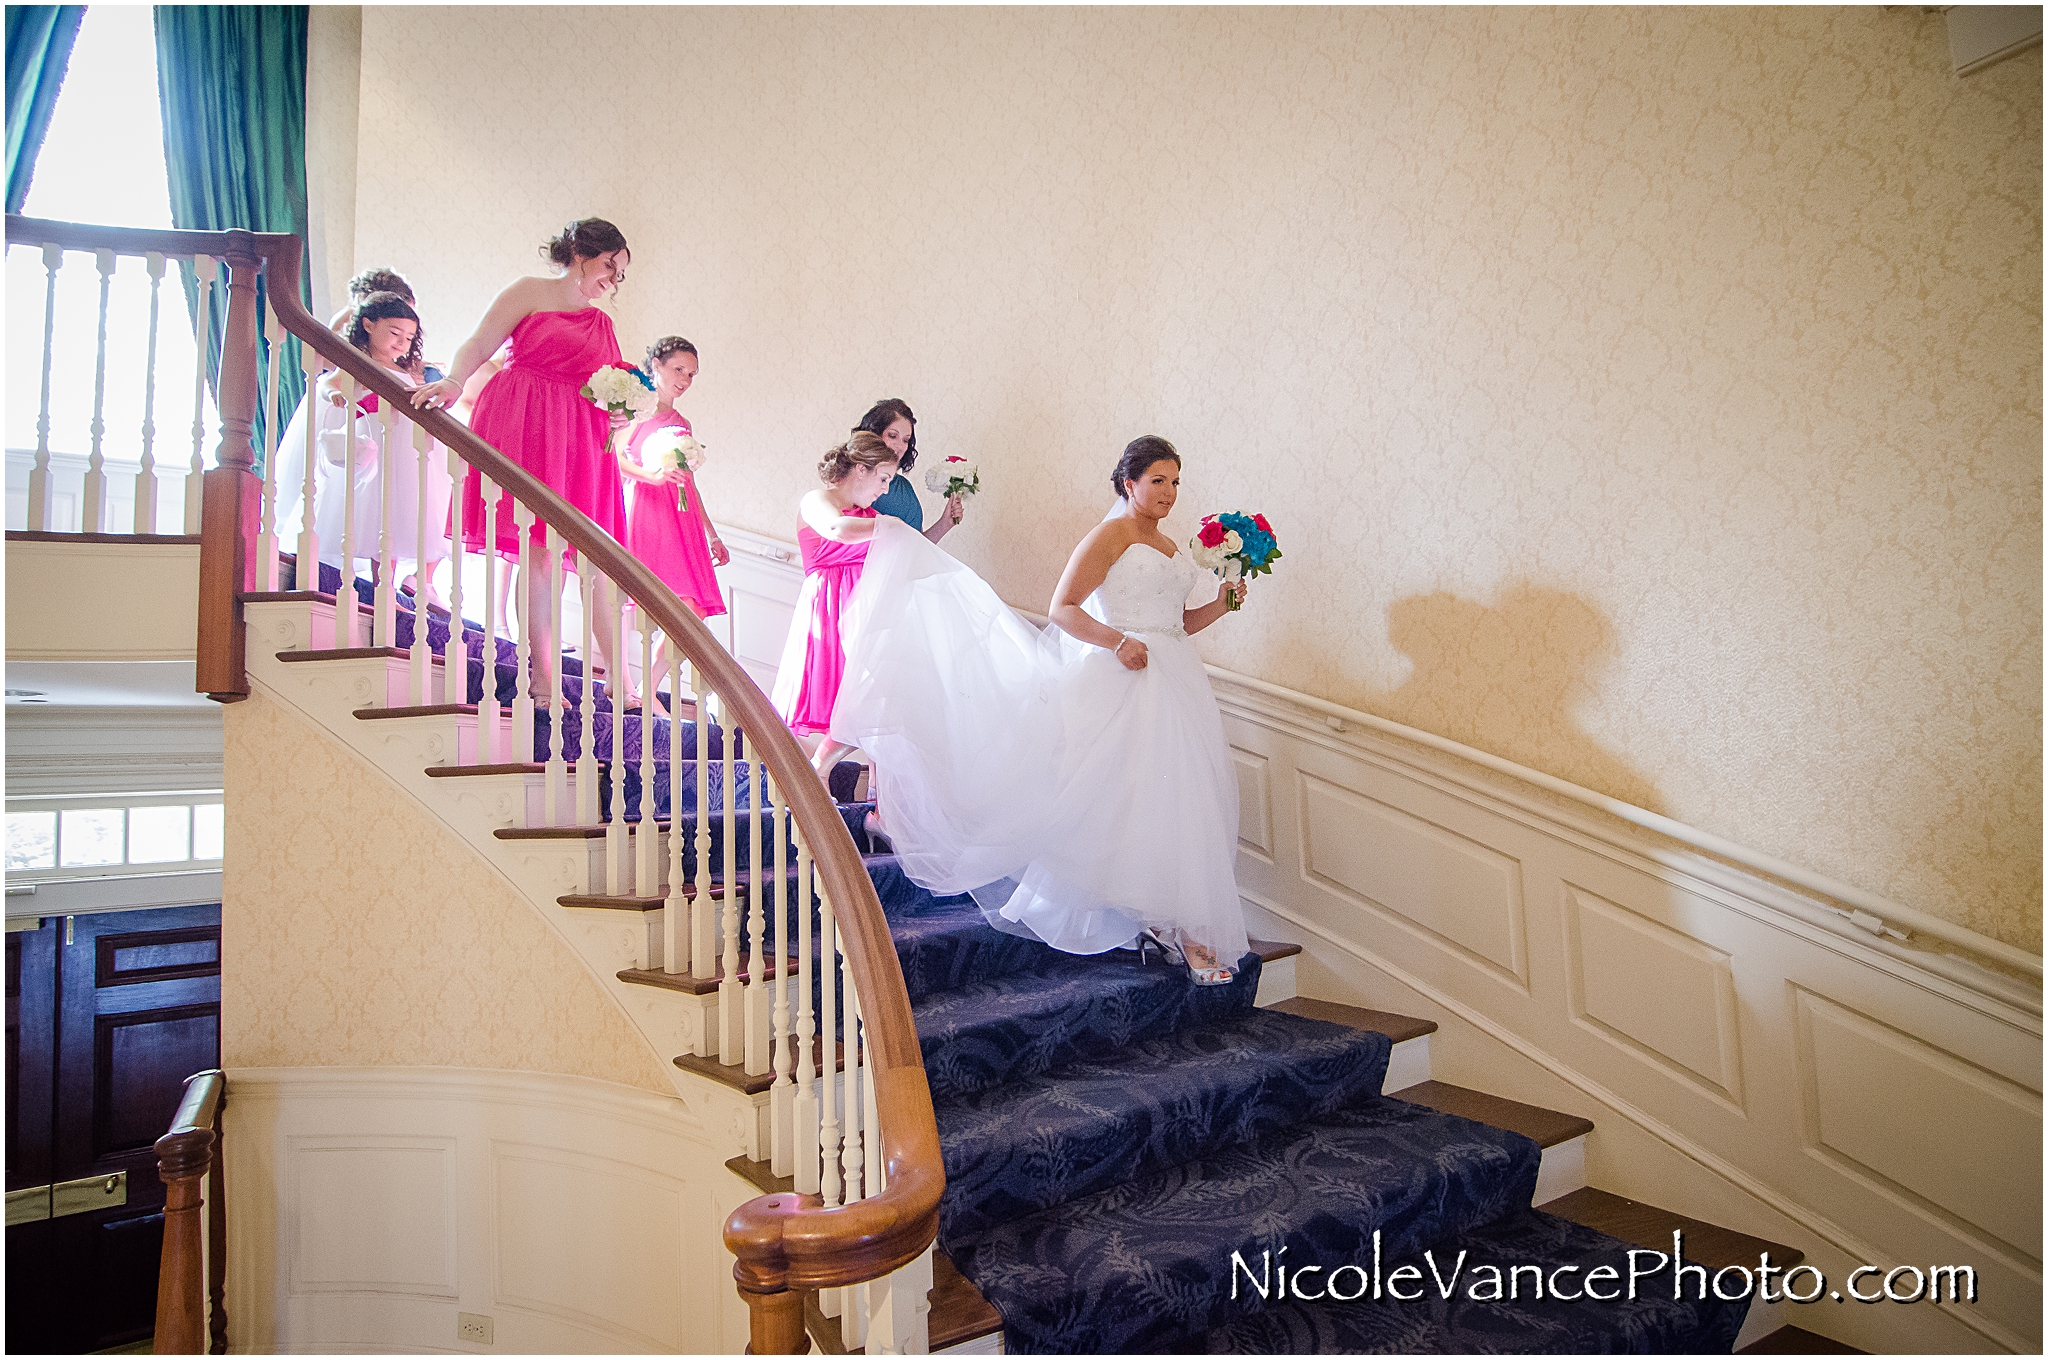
(784, 1243)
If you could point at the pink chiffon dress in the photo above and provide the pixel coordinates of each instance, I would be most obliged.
(814, 658)
(534, 412)
(674, 543)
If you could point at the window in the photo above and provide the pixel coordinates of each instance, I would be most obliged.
(102, 836)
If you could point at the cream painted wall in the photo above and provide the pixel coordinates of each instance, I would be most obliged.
(1649, 396)
(423, 959)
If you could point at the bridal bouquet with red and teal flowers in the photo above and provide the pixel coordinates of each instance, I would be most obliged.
(1235, 545)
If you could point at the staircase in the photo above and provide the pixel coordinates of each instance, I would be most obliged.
(1132, 1163)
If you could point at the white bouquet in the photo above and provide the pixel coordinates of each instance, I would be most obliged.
(620, 389)
(670, 447)
(954, 477)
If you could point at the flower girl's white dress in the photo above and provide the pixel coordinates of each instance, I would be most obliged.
(1077, 800)
(330, 437)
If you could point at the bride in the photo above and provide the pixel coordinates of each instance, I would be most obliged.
(1075, 781)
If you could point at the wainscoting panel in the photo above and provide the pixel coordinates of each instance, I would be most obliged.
(1854, 1070)
(1610, 952)
(1456, 891)
(1254, 804)
(371, 1214)
(579, 1216)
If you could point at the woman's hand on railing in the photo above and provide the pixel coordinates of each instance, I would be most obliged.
(436, 395)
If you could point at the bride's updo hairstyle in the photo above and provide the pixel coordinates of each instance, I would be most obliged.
(387, 307)
(864, 449)
(586, 239)
(1139, 454)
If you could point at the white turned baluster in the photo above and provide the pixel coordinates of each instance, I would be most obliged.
(145, 477)
(703, 911)
(853, 1299)
(782, 1132)
(422, 652)
(731, 1019)
(586, 747)
(806, 1101)
(618, 847)
(557, 777)
(95, 464)
(675, 916)
(203, 269)
(525, 661)
(39, 476)
(266, 515)
(900, 1309)
(455, 656)
(487, 703)
(851, 1161)
(384, 615)
(308, 568)
(345, 604)
(830, 1183)
(647, 841)
(756, 999)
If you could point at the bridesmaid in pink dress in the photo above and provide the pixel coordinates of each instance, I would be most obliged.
(533, 410)
(678, 544)
(838, 523)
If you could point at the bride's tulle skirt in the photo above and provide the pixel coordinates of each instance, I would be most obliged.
(1077, 800)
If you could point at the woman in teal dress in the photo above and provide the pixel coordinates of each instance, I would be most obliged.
(892, 420)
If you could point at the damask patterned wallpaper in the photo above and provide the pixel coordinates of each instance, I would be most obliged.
(424, 959)
(1652, 396)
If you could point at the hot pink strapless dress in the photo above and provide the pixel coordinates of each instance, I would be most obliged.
(675, 543)
(831, 570)
(533, 411)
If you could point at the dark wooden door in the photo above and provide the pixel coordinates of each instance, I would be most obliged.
(136, 1011)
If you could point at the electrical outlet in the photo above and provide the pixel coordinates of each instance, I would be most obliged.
(473, 1327)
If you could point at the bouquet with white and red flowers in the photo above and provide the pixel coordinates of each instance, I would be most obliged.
(954, 477)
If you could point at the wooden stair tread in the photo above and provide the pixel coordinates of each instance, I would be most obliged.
(630, 902)
(478, 771)
(736, 1075)
(1399, 1028)
(287, 597)
(1270, 950)
(959, 1312)
(696, 986)
(1646, 1225)
(1789, 1340)
(417, 711)
(344, 654)
(1547, 1127)
(140, 540)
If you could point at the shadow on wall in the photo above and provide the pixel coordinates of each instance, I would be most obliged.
(1507, 679)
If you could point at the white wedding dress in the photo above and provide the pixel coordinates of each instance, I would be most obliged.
(331, 486)
(1078, 801)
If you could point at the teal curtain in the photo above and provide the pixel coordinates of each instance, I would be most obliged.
(232, 82)
(39, 39)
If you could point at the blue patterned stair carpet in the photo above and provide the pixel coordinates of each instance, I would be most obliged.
(1116, 1138)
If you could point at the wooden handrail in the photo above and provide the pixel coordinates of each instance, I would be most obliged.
(785, 1244)
(185, 1156)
